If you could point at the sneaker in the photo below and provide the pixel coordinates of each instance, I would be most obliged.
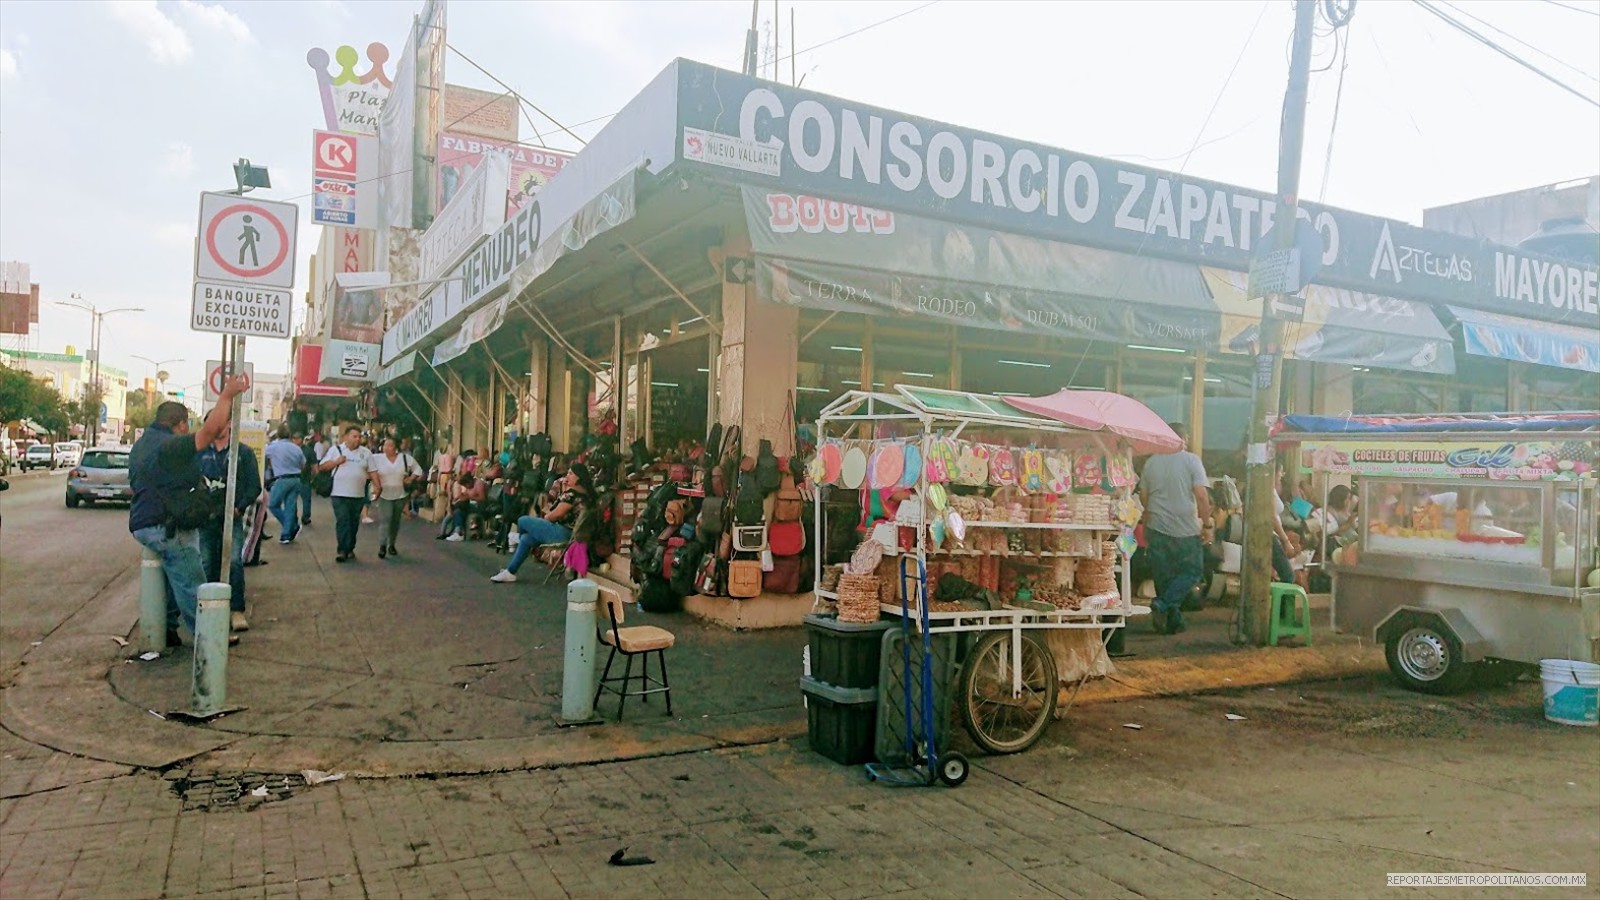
(341, 558)
(393, 551)
(383, 552)
(503, 576)
(455, 538)
(368, 521)
(239, 623)
(1175, 624)
(1158, 621)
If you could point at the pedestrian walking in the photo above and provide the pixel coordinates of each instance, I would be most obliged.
(348, 463)
(286, 464)
(213, 464)
(1173, 488)
(393, 474)
(307, 445)
(169, 502)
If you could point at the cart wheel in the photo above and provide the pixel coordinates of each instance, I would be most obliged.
(998, 720)
(953, 769)
(1427, 658)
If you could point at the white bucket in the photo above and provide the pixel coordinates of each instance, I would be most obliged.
(1571, 691)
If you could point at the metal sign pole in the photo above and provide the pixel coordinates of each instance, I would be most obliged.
(231, 363)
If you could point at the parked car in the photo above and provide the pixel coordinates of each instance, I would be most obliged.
(101, 475)
(38, 456)
(68, 453)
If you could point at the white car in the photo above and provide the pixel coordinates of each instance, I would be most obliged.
(68, 453)
(38, 456)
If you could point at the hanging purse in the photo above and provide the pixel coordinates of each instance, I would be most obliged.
(749, 538)
(786, 538)
(744, 578)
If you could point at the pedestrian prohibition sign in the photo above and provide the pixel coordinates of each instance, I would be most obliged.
(244, 266)
(245, 241)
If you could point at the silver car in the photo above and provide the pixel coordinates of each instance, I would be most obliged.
(102, 474)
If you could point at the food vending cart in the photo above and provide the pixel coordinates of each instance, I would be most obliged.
(1015, 523)
(1479, 547)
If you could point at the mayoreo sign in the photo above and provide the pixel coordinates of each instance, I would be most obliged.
(801, 142)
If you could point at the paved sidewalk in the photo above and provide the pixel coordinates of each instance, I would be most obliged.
(420, 665)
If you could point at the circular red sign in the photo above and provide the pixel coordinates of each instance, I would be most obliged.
(216, 257)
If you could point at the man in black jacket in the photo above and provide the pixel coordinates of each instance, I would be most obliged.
(162, 471)
(213, 463)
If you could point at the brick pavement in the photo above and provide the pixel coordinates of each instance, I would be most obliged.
(1176, 810)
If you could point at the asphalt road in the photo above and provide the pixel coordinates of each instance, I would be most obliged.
(53, 560)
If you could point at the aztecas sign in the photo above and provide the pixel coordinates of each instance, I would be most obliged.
(802, 142)
(531, 167)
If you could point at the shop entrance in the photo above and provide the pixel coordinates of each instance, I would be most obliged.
(679, 376)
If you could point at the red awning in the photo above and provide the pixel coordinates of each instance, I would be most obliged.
(308, 362)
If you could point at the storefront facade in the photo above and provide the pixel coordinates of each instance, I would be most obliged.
(727, 246)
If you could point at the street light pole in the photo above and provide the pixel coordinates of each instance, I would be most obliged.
(93, 392)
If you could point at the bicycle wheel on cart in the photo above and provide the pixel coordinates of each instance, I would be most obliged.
(1000, 717)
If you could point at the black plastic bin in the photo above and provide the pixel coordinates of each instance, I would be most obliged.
(845, 654)
(842, 721)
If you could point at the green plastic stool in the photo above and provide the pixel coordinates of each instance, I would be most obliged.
(1291, 613)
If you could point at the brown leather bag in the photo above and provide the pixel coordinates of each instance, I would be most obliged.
(744, 578)
(789, 504)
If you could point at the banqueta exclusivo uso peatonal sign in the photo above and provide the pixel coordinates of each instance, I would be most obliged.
(735, 127)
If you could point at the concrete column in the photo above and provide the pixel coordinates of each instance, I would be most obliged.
(759, 359)
(538, 385)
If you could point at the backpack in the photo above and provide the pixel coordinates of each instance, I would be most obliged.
(656, 596)
(686, 568)
(653, 517)
(748, 508)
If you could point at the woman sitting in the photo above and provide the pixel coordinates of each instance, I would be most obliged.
(554, 526)
(466, 496)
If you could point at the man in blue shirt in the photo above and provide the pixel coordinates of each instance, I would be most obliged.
(161, 470)
(285, 462)
(213, 464)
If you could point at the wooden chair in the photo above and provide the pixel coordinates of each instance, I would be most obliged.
(638, 640)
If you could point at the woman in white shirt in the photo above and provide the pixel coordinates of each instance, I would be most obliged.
(392, 472)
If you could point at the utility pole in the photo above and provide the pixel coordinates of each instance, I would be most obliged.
(92, 392)
(1256, 575)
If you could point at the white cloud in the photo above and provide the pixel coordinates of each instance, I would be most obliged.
(179, 161)
(175, 234)
(8, 64)
(217, 18)
(167, 42)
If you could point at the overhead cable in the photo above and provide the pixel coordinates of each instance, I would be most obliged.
(1488, 42)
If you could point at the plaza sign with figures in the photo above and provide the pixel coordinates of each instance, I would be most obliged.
(244, 267)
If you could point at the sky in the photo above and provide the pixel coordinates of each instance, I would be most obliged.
(114, 116)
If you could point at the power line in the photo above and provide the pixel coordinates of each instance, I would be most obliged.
(1555, 59)
(524, 100)
(1333, 130)
(1464, 29)
(835, 40)
(1576, 9)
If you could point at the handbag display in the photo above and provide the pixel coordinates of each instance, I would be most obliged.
(744, 578)
(786, 538)
(785, 575)
(713, 514)
(749, 538)
(767, 473)
(790, 504)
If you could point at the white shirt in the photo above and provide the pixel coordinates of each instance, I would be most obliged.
(392, 475)
(349, 479)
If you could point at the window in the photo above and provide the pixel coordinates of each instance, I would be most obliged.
(100, 459)
(1547, 389)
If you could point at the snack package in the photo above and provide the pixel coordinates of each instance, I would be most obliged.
(941, 462)
(1002, 467)
(1087, 471)
(1119, 470)
(1033, 472)
(1058, 466)
(972, 465)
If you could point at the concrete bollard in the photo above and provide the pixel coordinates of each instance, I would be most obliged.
(211, 649)
(152, 602)
(577, 673)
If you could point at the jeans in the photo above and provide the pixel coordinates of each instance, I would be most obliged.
(347, 521)
(1280, 562)
(181, 563)
(1179, 564)
(305, 500)
(389, 514)
(535, 532)
(281, 501)
(211, 555)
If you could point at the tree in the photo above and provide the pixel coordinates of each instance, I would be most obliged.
(140, 410)
(22, 396)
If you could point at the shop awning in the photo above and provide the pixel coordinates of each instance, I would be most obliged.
(1524, 340)
(1339, 326)
(843, 257)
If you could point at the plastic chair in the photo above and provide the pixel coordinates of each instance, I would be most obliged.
(638, 640)
(1291, 613)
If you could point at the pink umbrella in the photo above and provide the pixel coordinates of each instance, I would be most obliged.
(1105, 411)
